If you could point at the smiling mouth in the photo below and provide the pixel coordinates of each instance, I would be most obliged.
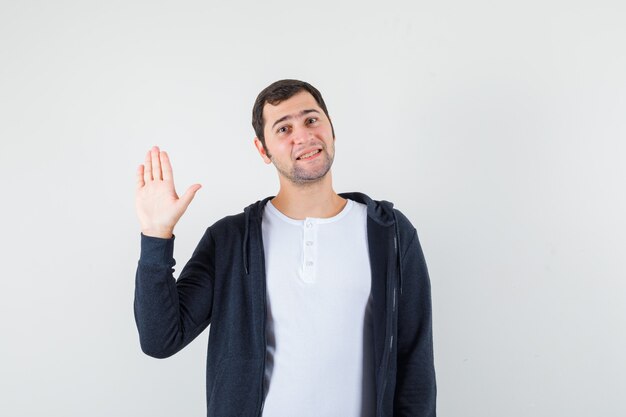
(309, 154)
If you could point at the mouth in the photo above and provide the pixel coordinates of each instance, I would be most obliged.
(309, 155)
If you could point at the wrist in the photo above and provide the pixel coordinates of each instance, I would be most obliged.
(160, 233)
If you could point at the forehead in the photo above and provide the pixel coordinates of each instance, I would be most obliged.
(290, 107)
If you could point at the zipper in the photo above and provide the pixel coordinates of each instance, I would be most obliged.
(263, 283)
(390, 327)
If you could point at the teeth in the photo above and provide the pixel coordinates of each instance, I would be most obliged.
(306, 155)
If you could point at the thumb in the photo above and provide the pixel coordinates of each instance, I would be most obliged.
(190, 194)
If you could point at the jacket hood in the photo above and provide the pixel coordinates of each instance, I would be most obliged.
(380, 211)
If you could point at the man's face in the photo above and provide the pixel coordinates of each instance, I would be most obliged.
(298, 138)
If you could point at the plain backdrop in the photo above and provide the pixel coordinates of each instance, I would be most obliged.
(497, 127)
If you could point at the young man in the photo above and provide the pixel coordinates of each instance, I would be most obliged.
(319, 303)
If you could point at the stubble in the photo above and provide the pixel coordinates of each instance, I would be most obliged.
(301, 175)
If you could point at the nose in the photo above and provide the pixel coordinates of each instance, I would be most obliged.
(301, 135)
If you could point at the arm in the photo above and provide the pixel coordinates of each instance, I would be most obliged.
(170, 313)
(416, 389)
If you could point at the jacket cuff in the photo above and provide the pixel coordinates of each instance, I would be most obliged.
(157, 251)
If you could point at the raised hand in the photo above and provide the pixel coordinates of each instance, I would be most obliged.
(158, 206)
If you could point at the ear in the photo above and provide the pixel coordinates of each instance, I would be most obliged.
(261, 150)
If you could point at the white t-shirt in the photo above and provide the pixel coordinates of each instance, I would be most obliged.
(319, 359)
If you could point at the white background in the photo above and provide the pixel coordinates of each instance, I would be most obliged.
(497, 127)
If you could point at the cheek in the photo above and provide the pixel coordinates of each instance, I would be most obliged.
(279, 148)
(282, 146)
(325, 131)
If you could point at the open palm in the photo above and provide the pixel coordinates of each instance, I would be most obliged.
(158, 206)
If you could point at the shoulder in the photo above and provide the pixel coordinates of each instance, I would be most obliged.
(404, 224)
(230, 220)
(407, 234)
(228, 224)
(239, 222)
(384, 213)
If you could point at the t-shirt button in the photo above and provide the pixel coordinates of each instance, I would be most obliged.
(309, 225)
(309, 243)
(309, 263)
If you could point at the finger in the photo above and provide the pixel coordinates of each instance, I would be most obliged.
(190, 194)
(156, 163)
(166, 167)
(140, 181)
(147, 172)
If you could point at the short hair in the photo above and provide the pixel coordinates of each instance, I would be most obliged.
(278, 92)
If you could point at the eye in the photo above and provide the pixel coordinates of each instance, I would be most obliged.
(312, 120)
(282, 129)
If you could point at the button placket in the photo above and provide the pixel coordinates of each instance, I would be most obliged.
(309, 250)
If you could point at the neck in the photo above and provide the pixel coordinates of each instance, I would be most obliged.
(317, 199)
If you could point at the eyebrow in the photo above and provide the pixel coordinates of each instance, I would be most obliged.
(291, 116)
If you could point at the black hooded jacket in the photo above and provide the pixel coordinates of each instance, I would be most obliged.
(223, 284)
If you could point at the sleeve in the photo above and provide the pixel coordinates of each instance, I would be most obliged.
(416, 389)
(170, 313)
